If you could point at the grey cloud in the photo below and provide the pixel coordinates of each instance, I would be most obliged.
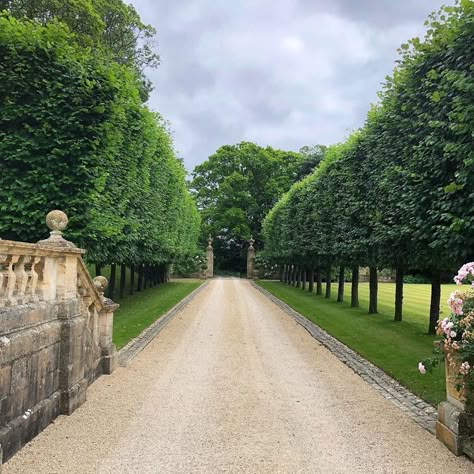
(286, 73)
(381, 13)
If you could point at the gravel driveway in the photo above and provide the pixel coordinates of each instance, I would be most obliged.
(233, 384)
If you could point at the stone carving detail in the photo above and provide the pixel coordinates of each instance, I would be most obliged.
(101, 283)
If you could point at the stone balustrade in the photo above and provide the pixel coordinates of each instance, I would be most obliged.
(55, 333)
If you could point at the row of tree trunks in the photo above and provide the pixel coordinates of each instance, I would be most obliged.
(298, 276)
(147, 277)
(310, 277)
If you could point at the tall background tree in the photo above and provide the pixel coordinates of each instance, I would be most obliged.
(235, 188)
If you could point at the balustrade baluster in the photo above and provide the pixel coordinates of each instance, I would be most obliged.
(33, 279)
(11, 280)
(21, 278)
(3, 279)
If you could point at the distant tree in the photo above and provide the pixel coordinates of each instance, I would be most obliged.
(312, 157)
(106, 24)
(235, 188)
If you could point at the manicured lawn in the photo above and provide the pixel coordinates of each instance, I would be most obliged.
(394, 347)
(138, 311)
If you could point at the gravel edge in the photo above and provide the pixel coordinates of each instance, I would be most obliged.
(137, 344)
(416, 408)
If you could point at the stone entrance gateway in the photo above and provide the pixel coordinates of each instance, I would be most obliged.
(250, 274)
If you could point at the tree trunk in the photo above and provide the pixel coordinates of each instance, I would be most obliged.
(298, 278)
(340, 288)
(355, 287)
(123, 278)
(140, 278)
(319, 282)
(145, 276)
(132, 279)
(435, 300)
(399, 294)
(328, 282)
(112, 282)
(98, 269)
(293, 276)
(373, 284)
(285, 275)
(311, 280)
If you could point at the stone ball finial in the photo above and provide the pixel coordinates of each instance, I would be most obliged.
(56, 221)
(101, 283)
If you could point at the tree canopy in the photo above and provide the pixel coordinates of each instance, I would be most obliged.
(110, 26)
(235, 188)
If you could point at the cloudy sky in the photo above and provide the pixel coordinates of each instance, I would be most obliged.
(285, 73)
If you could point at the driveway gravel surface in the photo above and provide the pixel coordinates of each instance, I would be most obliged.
(233, 384)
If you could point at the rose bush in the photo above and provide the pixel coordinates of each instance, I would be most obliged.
(457, 345)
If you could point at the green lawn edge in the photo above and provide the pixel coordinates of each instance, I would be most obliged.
(394, 347)
(139, 311)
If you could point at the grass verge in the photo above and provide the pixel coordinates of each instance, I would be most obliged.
(395, 347)
(143, 308)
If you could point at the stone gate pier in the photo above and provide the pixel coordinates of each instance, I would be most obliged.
(55, 334)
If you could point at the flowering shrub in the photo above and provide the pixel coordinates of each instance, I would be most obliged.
(457, 330)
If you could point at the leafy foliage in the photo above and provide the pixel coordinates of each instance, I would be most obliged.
(109, 27)
(235, 188)
(75, 135)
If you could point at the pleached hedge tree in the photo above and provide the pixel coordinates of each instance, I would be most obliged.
(399, 192)
(76, 136)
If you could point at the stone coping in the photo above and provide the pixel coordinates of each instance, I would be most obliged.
(39, 249)
(137, 344)
(416, 408)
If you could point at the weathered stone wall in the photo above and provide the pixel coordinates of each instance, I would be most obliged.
(55, 335)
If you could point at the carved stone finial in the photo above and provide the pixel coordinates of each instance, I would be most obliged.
(209, 242)
(100, 283)
(251, 241)
(56, 221)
